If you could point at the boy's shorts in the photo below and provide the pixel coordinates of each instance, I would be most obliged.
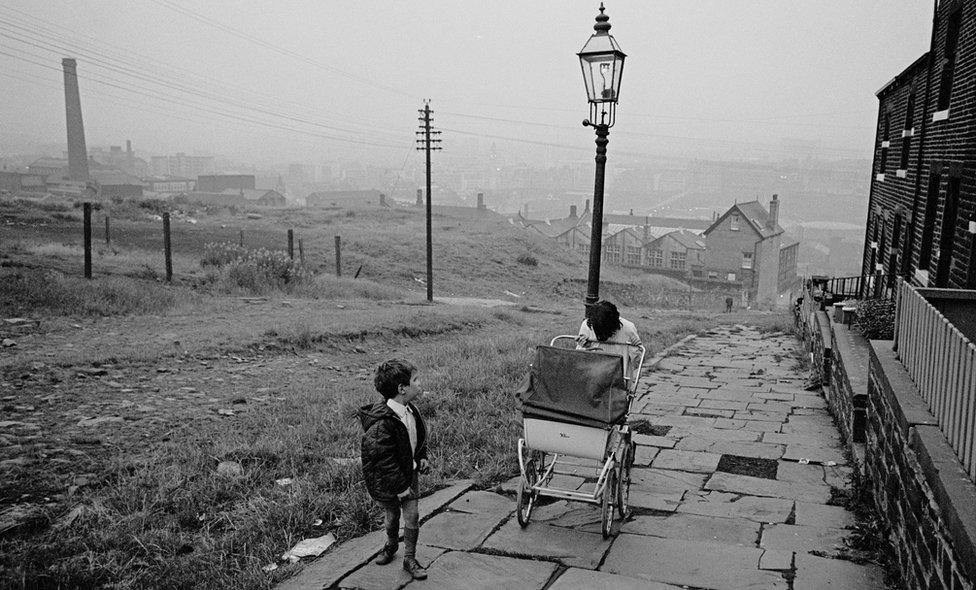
(414, 494)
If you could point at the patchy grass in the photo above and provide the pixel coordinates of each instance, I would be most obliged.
(30, 292)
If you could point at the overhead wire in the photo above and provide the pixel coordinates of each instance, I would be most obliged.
(96, 61)
(123, 55)
(127, 88)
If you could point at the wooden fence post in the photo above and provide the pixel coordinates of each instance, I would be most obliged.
(108, 234)
(301, 252)
(242, 238)
(167, 246)
(291, 244)
(338, 257)
(88, 239)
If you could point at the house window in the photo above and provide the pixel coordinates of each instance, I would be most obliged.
(906, 136)
(678, 259)
(747, 260)
(949, 60)
(712, 274)
(931, 209)
(612, 254)
(657, 258)
(734, 222)
(633, 255)
(730, 277)
(883, 164)
(947, 236)
(583, 249)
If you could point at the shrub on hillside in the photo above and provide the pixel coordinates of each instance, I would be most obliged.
(261, 271)
(876, 319)
(222, 253)
(527, 260)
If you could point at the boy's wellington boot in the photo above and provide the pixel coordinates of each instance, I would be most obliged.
(410, 563)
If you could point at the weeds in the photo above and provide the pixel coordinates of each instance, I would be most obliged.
(25, 292)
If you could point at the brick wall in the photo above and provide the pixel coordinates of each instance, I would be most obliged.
(918, 485)
(942, 147)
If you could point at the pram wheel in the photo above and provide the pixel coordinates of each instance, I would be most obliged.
(526, 496)
(623, 483)
(606, 513)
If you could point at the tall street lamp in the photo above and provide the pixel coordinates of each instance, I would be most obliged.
(602, 62)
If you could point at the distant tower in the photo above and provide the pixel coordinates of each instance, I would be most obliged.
(77, 152)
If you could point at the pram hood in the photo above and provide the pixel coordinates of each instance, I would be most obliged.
(576, 386)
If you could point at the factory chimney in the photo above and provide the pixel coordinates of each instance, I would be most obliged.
(77, 152)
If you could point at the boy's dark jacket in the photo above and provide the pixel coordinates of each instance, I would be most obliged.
(387, 464)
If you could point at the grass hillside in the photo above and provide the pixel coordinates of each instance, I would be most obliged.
(479, 257)
(185, 435)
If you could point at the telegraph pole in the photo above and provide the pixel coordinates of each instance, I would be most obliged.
(427, 144)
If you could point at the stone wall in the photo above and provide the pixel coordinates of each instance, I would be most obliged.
(918, 484)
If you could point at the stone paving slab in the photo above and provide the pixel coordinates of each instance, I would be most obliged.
(819, 573)
(580, 579)
(800, 439)
(654, 441)
(823, 515)
(478, 502)
(458, 530)
(708, 432)
(792, 471)
(335, 564)
(803, 538)
(743, 449)
(709, 412)
(736, 506)
(693, 527)
(824, 455)
(654, 501)
(686, 461)
(757, 486)
(691, 563)
(776, 559)
(537, 540)
(568, 514)
(391, 575)
(662, 481)
(645, 455)
(474, 571)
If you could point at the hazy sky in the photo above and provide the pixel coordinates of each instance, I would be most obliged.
(279, 81)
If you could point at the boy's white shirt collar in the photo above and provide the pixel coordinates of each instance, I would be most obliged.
(400, 409)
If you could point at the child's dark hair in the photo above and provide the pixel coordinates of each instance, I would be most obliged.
(391, 375)
(604, 319)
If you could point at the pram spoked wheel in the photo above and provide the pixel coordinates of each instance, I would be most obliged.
(526, 496)
(606, 511)
(623, 484)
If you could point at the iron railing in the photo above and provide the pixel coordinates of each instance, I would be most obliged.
(941, 361)
(862, 287)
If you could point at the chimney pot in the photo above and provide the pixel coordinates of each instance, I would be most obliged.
(420, 197)
(773, 218)
(572, 212)
(481, 200)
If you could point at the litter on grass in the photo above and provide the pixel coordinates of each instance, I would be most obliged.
(309, 548)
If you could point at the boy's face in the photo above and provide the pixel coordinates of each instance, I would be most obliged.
(412, 391)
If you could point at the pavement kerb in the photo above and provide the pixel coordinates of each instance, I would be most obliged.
(330, 568)
(656, 359)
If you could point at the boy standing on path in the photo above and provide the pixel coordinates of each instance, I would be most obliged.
(394, 451)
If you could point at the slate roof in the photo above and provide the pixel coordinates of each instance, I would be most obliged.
(754, 214)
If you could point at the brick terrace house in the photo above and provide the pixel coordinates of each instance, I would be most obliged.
(680, 253)
(743, 246)
(922, 210)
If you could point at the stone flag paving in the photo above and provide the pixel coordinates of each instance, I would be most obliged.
(736, 473)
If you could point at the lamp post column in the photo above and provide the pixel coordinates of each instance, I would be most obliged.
(596, 223)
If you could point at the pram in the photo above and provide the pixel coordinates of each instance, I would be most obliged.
(576, 407)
